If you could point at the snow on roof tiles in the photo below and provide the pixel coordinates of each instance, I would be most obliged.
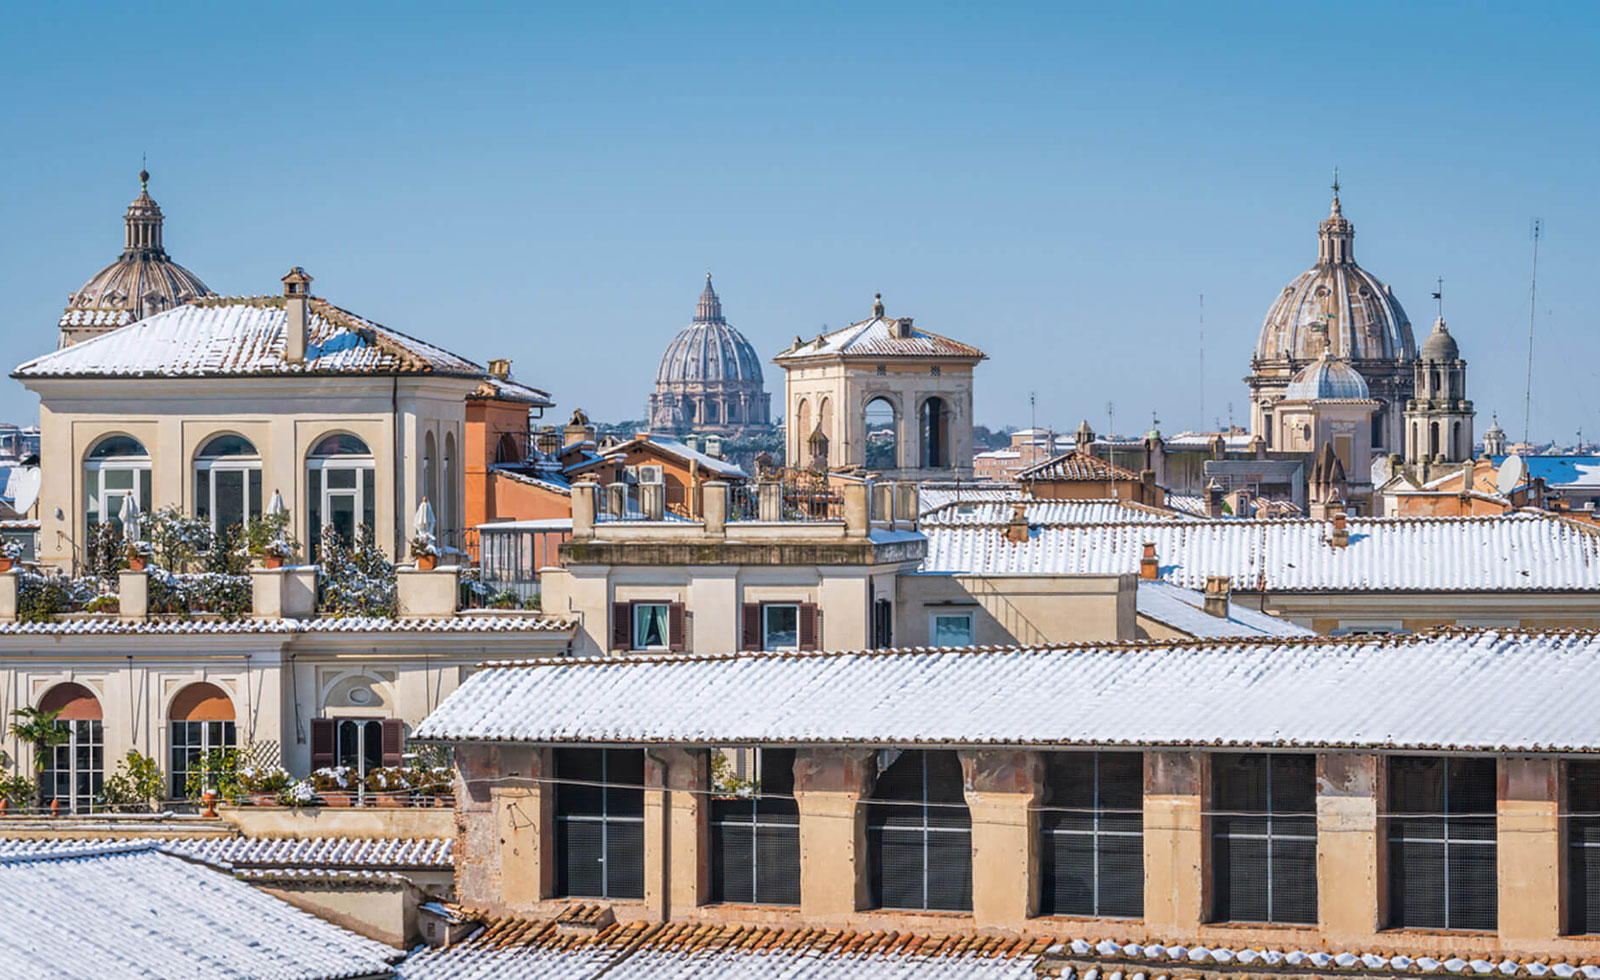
(1076, 466)
(277, 852)
(234, 337)
(931, 496)
(1515, 552)
(880, 337)
(1184, 609)
(134, 911)
(331, 624)
(963, 512)
(1507, 691)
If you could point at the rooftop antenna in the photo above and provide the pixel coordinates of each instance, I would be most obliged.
(1033, 413)
(1533, 305)
(1111, 418)
(1202, 358)
(1439, 296)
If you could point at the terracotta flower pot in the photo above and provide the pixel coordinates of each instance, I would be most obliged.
(336, 799)
(272, 561)
(6, 563)
(427, 563)
(263, 799)
(390, 798)
(445, 799)
(136, 563)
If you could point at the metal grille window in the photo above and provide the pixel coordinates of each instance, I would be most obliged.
(1264, 838)
(1442, 843)
(1583, 847)
(919, 834)
(755, 841)
(1091, 828)
(600, 823)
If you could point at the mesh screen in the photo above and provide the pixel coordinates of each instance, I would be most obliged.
(599, 810)
(1442, 856)
(1264, 838)
(1583, 848)
(919, 836)
(1091, 855)
(755, 843)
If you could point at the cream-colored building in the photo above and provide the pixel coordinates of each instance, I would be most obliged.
(881, 395)
(218, 404)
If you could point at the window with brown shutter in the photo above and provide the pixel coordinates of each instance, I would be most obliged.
(622, 626)
(808, 626)
(675, 627)
(322, 752)
(750, 631)
(394, 741)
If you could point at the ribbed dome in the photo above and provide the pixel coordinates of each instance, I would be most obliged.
(1364, 320)
(1440, 346)
(709, 350)
(1327, 377)
(142, 281)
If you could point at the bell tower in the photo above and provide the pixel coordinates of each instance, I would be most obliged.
(1439, 417)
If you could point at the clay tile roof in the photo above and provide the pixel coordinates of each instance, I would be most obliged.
(1073, 465)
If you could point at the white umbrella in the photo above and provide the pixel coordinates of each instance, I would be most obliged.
(130, 517)
(423, 522)
(276, 504)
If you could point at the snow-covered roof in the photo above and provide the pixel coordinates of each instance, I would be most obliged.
(245, 337)
(1184, 610)
(1076, 466)
(277, 852)
(931, 496)
(696, 951)
(1507, 691)
(964, 512)
(881, 336)
(330, 624)
(505, 389)
(1509, 552)
(132, 911)
(673, 447)
(1564, 472)
(553, 482)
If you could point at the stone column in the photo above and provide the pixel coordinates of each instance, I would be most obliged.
(1352, 884)
(829, 786)
(1174, 843)
(505, 827)
(583, 493)
(677, 855)
(714, 507)
(133, 591)
(769, 501)
(1002, 790)
(1528, 841)
(8, 595)
(856, 522)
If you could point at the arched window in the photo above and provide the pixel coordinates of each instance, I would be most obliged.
(935, 430)
(919, 834)
(75, 770)
(202, 721)
(802, 427)
(507, 450)
(340, 488)
(430, 471)
(227, 481)
(450, 496)
(1433, 439)
(825, 416)
(118, 467)
(882, 426)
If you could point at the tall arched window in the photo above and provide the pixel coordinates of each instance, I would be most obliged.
(935, 431)
(919, 834)
(825, 416)
(340, 488)
(449, 496)
(802, 427)
(202, 721)
(75, 770)
(116, 468)
(882, 428)
(227, 481)
(430, 471)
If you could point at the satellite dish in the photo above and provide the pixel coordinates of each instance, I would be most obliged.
(1511, 474)
(24, 487)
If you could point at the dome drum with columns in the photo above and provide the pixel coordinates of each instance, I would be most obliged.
(1339, 308)
(709, 381)
(141, 282)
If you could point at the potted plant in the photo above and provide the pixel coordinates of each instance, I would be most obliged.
(138, 555)
(425, 552)
(10, 551)
(40, 730)
(267, 537)
(435, 784)
(265, 786)
(389, 786)
(334, 784)
(300, 793)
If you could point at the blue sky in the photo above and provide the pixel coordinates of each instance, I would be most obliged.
(1057, 183)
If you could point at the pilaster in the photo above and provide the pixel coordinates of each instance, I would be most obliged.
(829, 785)
(1174, 842)
(1351, 879)
(1003, 790)
(677, 855)
(1528, 841)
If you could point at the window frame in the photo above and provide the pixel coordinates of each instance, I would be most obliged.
(634, 609)
(605, 818)
(770, 810)
(84, 783)
(766, 629)
(1098, 834)
(194, 752)
(320, 496)
(934, 615)
(207, 467)
(1272, 819)
(879, 808)
(1398, 822)
(1580, 813)
(95, 469)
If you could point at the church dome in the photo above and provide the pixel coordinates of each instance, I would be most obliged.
(142, 281)
(709, 349)
(1363, 320)
(1327, 377)
(1440, 346)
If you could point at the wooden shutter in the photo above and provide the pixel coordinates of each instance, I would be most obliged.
(394, 741)
(622, 626)
(322, 748)
(675, 627)
(808, 626)
(751, 627)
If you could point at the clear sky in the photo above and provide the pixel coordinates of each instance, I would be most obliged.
(1057, 183)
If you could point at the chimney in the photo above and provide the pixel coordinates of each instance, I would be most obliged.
(1341, 532)
(714, 447)
(500, 367)
(1017, 527)
(1214, 498)
(1218, 590)
(1149, 570)
(297, 296)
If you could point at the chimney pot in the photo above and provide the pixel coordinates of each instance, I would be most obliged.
(1149, 568)
(1017, 527)
(500, 367)
(1341, 531)
(1219, 589)
(297, 295)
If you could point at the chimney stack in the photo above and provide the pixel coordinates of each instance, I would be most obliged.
(297, 297)
(1219, 589)
(1214, 498)
(1017, 527)
(1149, 569)
(1341, 532)
(500, 367)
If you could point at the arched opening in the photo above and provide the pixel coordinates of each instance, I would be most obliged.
(116, 469)
(934, 427)
(74, 770)
(881, 424)
(227, 481)
(802, 428)
(340, 488)
(449, 494)
(1433, 439)
(507, 450)
(919, 834)
(200, 722)
(430, 470)
(1457, 451)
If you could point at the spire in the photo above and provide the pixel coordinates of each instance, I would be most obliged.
(143, 220)
(1336, 235)
(709, 309)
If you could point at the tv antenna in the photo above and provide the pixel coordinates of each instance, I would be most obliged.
(1202, 358)
(1533, 306)
(1111, 418)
